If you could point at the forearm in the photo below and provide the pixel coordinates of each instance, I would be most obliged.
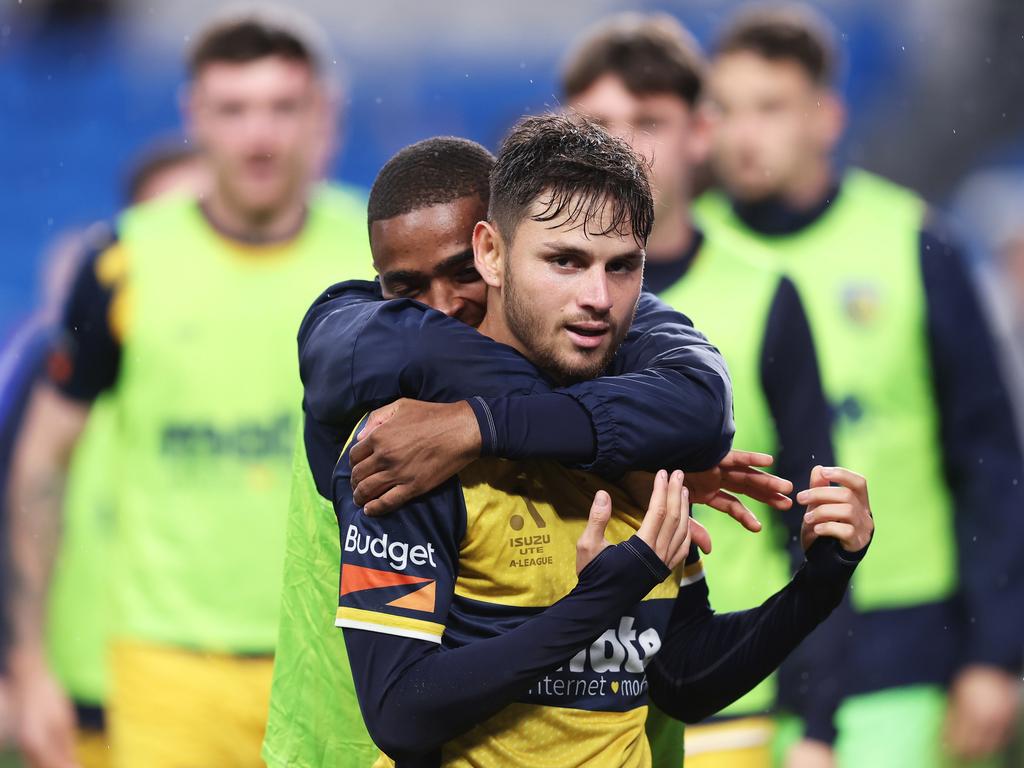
(812, 680)
(36, 499)
(358, 351)
(465, 684)
(709, 660)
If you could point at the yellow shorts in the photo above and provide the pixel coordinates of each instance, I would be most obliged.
(173, 708)
(741, 743)
(92, 748)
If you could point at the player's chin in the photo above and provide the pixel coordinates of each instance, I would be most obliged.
(581, 364)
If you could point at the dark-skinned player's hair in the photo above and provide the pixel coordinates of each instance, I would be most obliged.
(430, 172)
(243, 36)
(790, 32)
(650, 53)
(578, 173)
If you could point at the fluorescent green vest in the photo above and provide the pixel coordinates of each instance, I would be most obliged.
(858, 271)
(207, 397)
(729, 298)
(79, 607)
(314, 713)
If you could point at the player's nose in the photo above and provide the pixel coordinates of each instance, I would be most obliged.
(595, 293)
(447, 301)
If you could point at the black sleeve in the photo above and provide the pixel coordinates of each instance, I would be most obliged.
(415, 696)
(86, 355)
(709, 660)
(796, 398)
(981, 452)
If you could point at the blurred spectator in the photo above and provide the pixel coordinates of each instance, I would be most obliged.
(910, 368)
(183, 318)
(78, 608)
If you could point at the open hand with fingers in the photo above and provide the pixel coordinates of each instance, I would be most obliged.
(740, 472)
(667, 527)
(838, 507)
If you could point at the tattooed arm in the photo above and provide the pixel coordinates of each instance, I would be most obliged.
(51, 428)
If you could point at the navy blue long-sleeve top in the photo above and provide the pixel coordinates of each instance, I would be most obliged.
(666, 400)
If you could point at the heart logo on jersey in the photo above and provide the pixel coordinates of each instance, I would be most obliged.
(615, 686)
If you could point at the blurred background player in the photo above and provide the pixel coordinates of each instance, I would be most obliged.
(642, 78)
(78, 611)
(990, 203)
(204, 437)
(909, 368)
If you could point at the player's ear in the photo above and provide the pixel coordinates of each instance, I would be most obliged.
(488, 253)
(831, 118)
(699, 144)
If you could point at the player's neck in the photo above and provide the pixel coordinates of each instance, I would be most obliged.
(232, 221)
(494, 325)
(809, 188)
(672, 233)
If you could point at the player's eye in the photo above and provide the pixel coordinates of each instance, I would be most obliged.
(229, 109)
(287, 107)
(774, 106)
(404, 291)
(467, 275)
(564, 262)
(624, 266)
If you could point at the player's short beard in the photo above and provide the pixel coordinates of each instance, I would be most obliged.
(526, 326)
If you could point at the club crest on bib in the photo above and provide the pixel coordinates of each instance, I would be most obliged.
(862, 303)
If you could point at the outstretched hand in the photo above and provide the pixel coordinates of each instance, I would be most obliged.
(740, 472)
(667, 527)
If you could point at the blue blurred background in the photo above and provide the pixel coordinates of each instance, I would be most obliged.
(933, 87)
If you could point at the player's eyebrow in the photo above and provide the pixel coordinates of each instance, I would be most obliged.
(404, 276)
(455, 261)
(554, 248)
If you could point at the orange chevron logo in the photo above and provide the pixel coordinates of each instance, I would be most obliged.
(356, 578)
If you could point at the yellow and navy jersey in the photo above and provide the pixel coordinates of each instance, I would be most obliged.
(475, 560)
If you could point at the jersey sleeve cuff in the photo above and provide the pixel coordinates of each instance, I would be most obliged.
(388, 624)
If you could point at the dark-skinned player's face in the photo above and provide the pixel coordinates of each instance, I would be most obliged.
(427, 255)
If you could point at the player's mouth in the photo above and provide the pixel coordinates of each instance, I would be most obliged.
(588, 335)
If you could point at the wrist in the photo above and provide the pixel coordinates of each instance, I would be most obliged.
(26, 660)
(483, 425)
(468, 433)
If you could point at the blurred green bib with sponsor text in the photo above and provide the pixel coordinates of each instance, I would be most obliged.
(207, 401)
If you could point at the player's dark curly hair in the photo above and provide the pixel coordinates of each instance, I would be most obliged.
(576, 169)
(430, 172)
